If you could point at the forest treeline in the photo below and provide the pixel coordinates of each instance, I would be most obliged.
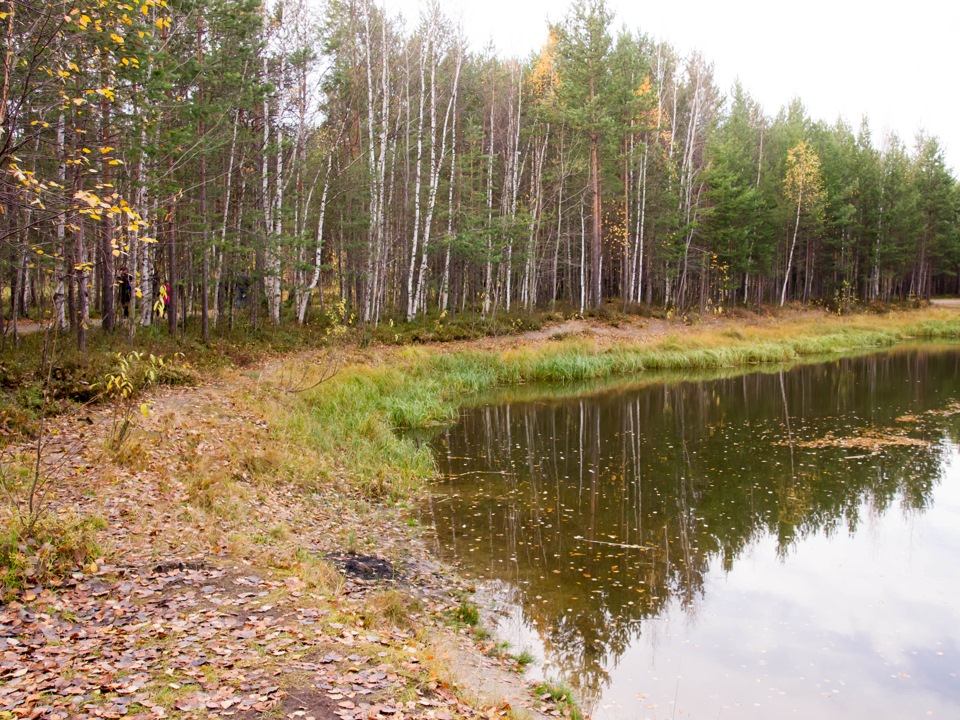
(207, 160)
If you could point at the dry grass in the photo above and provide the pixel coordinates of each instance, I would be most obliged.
(391, 608)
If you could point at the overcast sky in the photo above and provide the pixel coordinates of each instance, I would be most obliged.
(895, 62)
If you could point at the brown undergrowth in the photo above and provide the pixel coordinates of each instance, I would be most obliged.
(209, 588)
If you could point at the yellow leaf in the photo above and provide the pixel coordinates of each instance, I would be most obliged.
(144, 409)
(116, 253)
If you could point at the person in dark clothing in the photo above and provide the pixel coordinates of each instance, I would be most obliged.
(243, 290)
(126, 290)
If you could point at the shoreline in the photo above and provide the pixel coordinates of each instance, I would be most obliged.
(217, 575)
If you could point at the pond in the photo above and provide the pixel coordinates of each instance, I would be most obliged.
(775, 544)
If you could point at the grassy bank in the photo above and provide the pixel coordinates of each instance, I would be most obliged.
(352, 419)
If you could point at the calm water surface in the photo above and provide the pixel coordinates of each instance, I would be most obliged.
(766, 546)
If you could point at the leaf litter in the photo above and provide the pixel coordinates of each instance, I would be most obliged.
(210, 608)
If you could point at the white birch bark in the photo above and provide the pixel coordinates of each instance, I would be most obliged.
(219, 253)
(445, 283)
(793, 246)
(411, 298)
(273, 270)
(307, 292)
(488, 269)
(435, 165)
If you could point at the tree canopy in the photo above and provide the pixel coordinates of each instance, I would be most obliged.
(232, 159)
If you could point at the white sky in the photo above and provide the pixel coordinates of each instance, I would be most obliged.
(895, 62)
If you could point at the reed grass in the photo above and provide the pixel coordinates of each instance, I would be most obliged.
(354, 417)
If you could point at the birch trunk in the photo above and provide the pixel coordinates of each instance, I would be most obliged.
(793, 245)
(488, 269)
(411, 298)
(445, 283)
(304, 301)
(218, 267)
(435, 165)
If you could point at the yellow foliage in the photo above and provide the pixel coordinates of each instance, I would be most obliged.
(803, 180)
(544, 80)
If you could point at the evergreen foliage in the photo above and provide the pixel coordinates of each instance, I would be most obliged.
(185, 161)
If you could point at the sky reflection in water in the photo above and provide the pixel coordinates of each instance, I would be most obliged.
(771, 545)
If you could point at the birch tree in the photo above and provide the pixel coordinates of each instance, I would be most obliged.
(804, 186)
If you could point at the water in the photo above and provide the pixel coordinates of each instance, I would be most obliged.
(772, 545)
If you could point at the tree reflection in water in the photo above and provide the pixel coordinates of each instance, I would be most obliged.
(600, 510)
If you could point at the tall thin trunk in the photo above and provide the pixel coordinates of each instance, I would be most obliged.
(583, 260)
(445, 283)
(60, 317)
(218, 267)
(318, 253)
(435, 165)
(793, 245)
(488, 268)
(107, 248)
(411, 299)
(205, 270)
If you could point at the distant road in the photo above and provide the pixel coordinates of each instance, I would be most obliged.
(25, 327)
(951, 303)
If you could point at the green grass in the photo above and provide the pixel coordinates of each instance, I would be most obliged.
(466, 613)
(562, 696)
(354, 417)
(525, 658)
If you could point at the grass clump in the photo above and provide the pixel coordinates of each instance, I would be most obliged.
(467, 613)
(562, 696)
(525, 658)
(390, 608)
(45, 553)
(318, 574)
